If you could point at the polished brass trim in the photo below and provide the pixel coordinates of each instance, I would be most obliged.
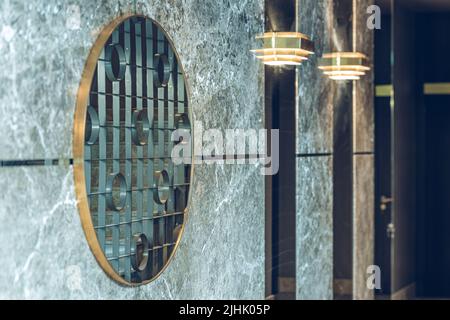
(360, 63)
(295, 35)
(344, 54)
(436, 88)
(384, 91)
(288, 43)
(78, 152)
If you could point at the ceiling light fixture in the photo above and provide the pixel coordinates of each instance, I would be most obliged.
(284, 48)
(344, 65)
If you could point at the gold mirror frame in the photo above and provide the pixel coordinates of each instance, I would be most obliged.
(78, 151)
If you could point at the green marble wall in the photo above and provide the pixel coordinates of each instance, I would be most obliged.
(331, 117)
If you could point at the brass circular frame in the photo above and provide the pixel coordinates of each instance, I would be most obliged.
(78, 152)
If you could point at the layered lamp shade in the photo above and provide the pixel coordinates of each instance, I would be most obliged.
(344, 65)
(284, 48)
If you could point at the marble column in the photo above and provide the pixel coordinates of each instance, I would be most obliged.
(334, 158)
(363, 158)
(314, 249)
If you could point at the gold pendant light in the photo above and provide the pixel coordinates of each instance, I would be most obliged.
(350, 65)
(344, 65)
(284, 48)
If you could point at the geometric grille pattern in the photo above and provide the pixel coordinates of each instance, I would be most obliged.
(137, 196)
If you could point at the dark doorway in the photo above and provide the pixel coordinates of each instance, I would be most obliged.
(436, 281)
(413, 153)
(383, 158)
(395, 161)
(434, 159)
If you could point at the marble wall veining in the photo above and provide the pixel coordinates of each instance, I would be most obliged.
(314, 192)
(363, 224)
(314, 228)
(363, 159)
(315, 92)
(334, 122)
(43, 47)
(364, 121)
(45, 254)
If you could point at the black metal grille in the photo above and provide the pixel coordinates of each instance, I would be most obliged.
(137, 196)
